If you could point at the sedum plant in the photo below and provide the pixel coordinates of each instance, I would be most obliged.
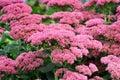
(67, 40)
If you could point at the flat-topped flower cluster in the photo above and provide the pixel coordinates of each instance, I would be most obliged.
(78, 36)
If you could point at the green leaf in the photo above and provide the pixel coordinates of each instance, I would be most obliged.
(50, 76)
(107, 77)
(50, 11)
(48, 68)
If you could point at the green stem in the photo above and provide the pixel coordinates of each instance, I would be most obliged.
(36, 73)
(109, 21)
(105, 19)
(56, 78)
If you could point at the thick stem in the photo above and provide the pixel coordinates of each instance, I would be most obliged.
(56, 78)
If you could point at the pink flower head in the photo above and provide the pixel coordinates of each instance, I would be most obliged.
(118, 9)
(7, 65)
(114, 49)
(74, 3)
(95, 21)
(8, 2)
(99, 2)
(76, 51)
(73, 18)
(26, 20)
(117, 37)
(63, 39)
(114, 69)
(102, 2)
(84, 69)
(96, 78)
(25, 31)
(29, 61)
(89, 3)
(60, 26)
(69, 75)
(87, 41)
(110, 58)
(9, 16)
(60, 56)
(17, 8)
(93, 67)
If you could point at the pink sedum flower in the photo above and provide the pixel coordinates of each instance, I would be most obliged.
(8, 65)
(25, 31)
(27, 19)
(76, 51)
(95, 21)
(17, 8)
(99, 2)
(118, 9)
(74, 3)
(60, 56)
(8, 2)
(69, 75)
(114, 69)
(96, 78)
(29, 61)
(110, 58)
(84, 69)
(93, 67)
(73, 18)
(63, 39)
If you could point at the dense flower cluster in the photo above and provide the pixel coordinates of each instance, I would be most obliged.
(74, 3)
(7, 65)
(113, 67)
(25, 31)
(96, 78)
(94, 21)
(25, 62)
(8, 2)
(29, 61)
(73, 18)
(69, 75)
(17, 8)
(27, 19)
(87, 70)
(99, 2)
(14, 9)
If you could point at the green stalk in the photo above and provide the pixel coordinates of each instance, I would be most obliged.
(56, 78)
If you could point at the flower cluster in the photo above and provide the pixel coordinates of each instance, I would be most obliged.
(113, 67)
(73, 18)
(8, 2)
(26, 20)
(60, 56)
(25, 62)
(96, 78)
(14, 9)
(25, 31)
(87, 70)
(7, 65)
(94, 21)
(74, 3)
(69, 75)
(99, 2)
(29, 61)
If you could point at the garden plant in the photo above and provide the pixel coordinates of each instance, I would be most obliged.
(60, 40)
